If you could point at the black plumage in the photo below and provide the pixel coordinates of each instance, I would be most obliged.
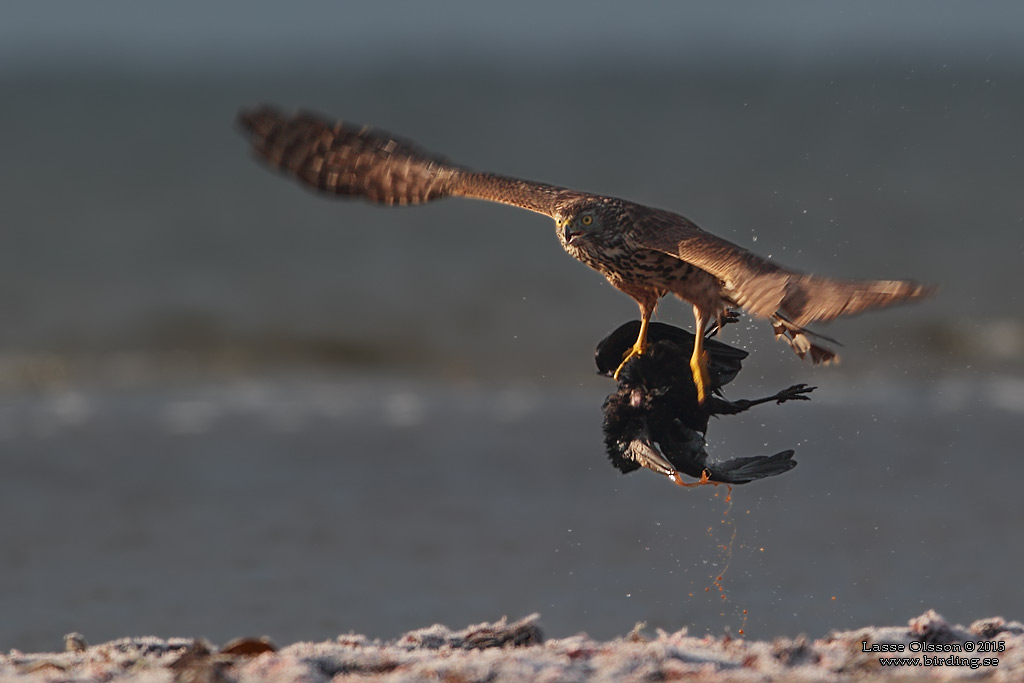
(654, 418)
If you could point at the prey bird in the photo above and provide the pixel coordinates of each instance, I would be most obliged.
(643, 252)
(654, 419)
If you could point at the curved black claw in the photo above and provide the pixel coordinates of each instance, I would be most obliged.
(797, 392)
(726, 318)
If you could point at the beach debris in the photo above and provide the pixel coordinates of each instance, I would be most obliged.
(503, 650)
(519, 633)
(992, 649)
(248, 647)
(75, 642)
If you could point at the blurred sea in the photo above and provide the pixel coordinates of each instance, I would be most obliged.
(229, 406)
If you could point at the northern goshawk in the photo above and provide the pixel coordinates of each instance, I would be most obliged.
(644, 252)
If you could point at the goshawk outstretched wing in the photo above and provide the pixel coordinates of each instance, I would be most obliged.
(364, 162)
(759, 286)
(360, 161)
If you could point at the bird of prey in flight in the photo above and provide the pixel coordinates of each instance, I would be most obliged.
(644, 252)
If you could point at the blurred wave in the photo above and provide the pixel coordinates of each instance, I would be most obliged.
(921, 351)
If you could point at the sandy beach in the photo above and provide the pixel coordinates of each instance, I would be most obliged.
(927, 647)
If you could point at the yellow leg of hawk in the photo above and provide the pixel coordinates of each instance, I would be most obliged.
(699, 359)
(641, 342)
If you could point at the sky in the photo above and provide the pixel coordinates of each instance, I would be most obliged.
(196, 32)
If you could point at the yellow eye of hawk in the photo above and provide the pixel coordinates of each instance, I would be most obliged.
(587, 220)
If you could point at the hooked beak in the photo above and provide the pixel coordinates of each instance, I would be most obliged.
(568, 234)
(648, 455)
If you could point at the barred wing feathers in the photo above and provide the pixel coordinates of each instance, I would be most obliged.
(761, 287)
(359, 161)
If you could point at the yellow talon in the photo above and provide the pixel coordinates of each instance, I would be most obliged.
(638, 348)
(634, 351)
